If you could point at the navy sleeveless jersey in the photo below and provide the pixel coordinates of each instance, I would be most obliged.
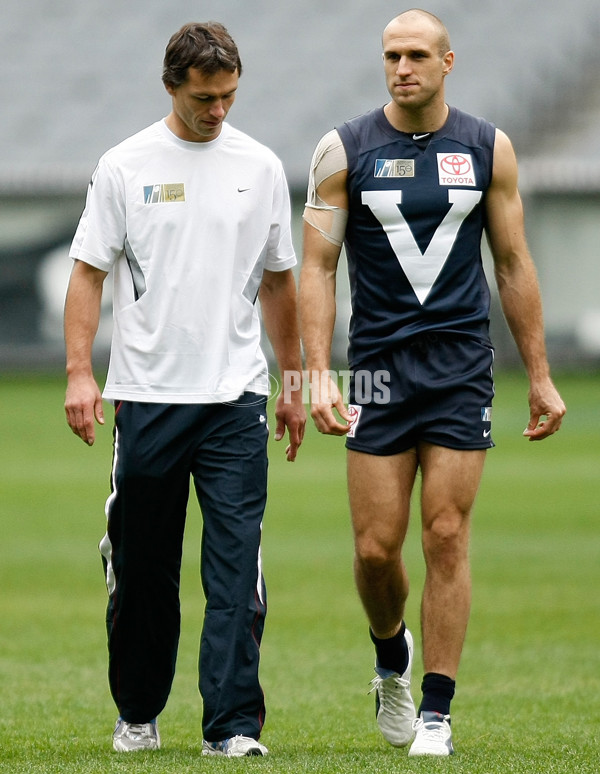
(413, 239)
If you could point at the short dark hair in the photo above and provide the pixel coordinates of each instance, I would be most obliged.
(207, 47)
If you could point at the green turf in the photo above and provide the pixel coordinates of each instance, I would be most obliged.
(528, 691)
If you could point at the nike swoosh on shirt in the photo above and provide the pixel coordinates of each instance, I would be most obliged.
(421, 136)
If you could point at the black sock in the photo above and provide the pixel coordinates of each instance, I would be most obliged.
(438, 691)
(392, 653)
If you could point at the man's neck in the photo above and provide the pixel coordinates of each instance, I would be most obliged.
(418, 121)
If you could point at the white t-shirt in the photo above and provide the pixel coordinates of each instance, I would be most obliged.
(187, 229)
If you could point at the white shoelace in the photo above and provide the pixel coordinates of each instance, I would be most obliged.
(435, 731)
(390, 691)
(136, 730)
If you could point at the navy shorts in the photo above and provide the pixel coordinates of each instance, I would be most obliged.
(435, 388)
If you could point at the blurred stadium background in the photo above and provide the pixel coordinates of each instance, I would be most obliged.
(76, 78)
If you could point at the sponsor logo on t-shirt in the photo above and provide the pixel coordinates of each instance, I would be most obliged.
(164, 192)
(456, 169)
(394, 168)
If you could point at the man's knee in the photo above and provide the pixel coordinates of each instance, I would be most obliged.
(376, 557)
(446, 539)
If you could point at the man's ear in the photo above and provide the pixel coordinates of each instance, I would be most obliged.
(448, 62)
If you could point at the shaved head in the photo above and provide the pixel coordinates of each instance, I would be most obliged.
(417, 14)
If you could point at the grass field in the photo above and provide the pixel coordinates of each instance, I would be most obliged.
(528, 695)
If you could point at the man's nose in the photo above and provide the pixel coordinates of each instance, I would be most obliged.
(403, 66)
(217, 110)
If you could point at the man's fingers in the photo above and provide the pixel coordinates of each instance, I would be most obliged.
(542, 427)
(326, 422)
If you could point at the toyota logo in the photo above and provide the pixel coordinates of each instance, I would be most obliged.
(455, 164)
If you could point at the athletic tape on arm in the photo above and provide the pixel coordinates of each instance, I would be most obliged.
(329, 157)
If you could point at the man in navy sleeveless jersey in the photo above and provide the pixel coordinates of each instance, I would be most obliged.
(409, 189)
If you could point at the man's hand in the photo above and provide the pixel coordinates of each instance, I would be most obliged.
(83, 404)
(325, 396)
(290, 413)
(546, 411)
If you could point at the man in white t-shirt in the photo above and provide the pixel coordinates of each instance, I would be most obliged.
(192, 219)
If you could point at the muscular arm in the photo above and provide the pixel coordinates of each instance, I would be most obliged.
(519, 290)
(318, 309)
(83, 401)
(278, 301)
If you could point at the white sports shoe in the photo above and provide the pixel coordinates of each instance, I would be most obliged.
(236, 747)
(132, 737)
(394, 704)
(433, 735)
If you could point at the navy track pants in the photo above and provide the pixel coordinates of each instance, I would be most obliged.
(157, 448)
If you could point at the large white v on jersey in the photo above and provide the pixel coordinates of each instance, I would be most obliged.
(421, 268)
